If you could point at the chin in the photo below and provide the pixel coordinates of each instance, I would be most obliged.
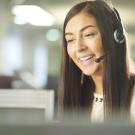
(88, 73)
(96, 70)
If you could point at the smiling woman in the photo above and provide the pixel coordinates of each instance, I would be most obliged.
(96, 76)
(84, 43)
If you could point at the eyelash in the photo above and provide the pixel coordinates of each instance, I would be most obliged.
(86, 35)
(90, 34)
(68, 41)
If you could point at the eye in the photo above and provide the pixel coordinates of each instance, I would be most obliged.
(89, 34)
(70, 40)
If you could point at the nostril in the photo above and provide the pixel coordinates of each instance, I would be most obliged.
(81, 48)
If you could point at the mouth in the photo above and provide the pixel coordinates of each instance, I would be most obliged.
(87, 59)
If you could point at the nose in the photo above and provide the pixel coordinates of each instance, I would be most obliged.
(80, 45)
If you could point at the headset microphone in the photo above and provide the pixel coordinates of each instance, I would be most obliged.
(97, 60)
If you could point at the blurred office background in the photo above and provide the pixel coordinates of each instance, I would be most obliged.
(30, 40)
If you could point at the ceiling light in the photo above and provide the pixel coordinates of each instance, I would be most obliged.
(19, 21)
(33, 15)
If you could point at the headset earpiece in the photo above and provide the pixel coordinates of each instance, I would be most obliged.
(118, 32)
(118, 36)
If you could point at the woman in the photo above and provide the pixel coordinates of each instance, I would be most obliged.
(96, 75)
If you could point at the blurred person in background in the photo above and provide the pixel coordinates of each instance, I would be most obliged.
(97, 76)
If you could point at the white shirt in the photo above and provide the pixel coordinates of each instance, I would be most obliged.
(97, 113)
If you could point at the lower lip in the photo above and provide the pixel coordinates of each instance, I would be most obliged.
(88, 61)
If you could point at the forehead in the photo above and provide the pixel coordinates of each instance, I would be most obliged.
(79, 21)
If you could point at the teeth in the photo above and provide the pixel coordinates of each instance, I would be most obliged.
(85, 58)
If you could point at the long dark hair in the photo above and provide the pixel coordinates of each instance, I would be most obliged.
(76, 89)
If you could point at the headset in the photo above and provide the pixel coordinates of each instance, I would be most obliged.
(118, 32)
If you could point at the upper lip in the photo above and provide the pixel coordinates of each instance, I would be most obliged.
(85, 57)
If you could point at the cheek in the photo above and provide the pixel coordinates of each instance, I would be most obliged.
(70, 52)
(100, 45)
(97, 46)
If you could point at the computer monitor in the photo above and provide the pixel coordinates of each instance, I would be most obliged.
(26, 106)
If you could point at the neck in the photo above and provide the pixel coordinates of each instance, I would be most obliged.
(98, 84)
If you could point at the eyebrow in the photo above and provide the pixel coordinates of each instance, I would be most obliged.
(81, 30)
